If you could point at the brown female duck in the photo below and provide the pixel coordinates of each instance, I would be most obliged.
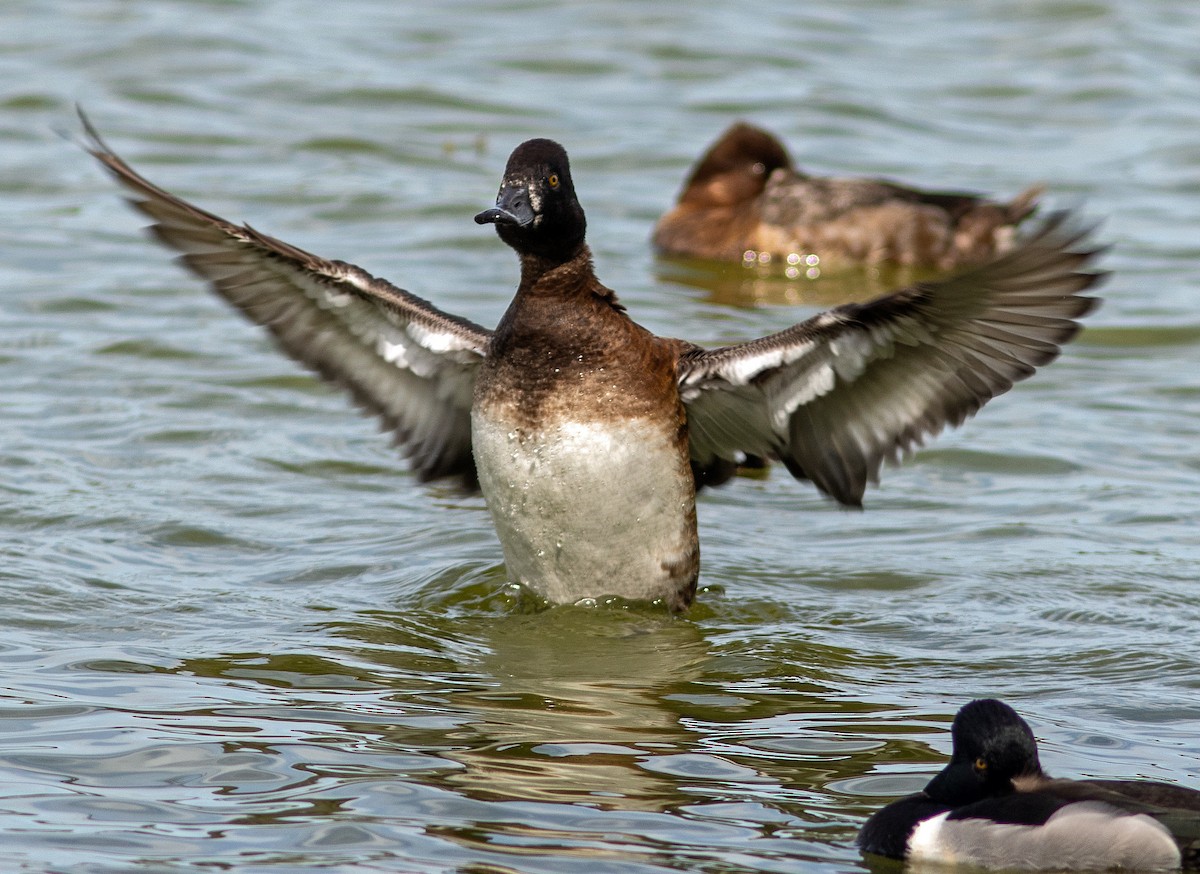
(745, 201)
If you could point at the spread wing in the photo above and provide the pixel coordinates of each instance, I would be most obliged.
(400, 357)
(836, 396)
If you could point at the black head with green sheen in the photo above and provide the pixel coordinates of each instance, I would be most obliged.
(536, 211)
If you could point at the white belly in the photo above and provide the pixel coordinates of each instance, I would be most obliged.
(583, 511)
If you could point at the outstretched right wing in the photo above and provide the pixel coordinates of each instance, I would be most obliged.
(400, 357)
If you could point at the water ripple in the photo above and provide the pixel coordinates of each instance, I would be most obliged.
(240, 633)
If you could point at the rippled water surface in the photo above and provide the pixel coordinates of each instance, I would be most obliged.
(238, 635)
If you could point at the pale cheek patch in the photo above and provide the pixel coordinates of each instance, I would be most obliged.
(535, 204)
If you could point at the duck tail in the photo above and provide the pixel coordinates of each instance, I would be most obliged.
(1024, 204)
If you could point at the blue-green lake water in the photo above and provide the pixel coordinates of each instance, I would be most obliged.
(238, 635)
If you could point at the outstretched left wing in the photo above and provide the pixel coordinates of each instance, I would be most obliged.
(836, 396)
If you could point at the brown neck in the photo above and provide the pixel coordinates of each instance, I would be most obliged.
(535, 268)
(575, 277)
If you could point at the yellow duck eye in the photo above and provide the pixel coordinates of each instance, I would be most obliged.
(553, 180)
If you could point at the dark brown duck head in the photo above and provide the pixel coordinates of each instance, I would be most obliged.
(736, 168)
(536, 211)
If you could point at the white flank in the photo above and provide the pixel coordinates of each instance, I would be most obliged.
(925, 843)
(1088, 835)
